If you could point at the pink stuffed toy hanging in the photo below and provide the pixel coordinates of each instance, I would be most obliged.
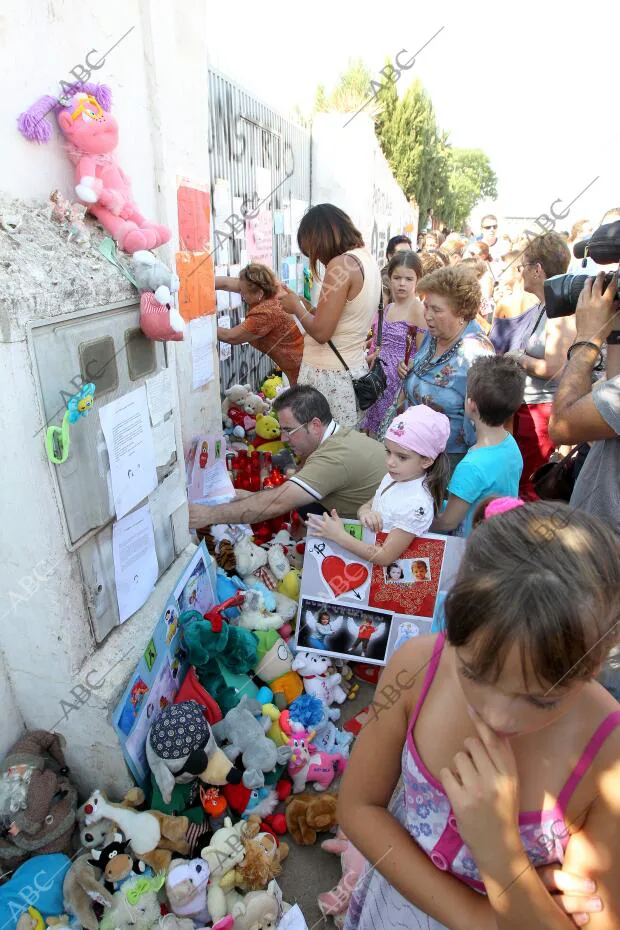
(91, 136)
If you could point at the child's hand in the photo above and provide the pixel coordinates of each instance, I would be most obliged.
(484, 794)
(574, 894)
(372, 520)
(328, 526)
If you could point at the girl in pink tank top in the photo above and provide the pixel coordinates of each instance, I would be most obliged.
(495, 797)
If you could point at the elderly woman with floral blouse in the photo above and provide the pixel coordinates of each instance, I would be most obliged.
(438, 373)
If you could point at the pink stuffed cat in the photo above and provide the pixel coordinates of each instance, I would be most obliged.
(91, 134)
(334, 903)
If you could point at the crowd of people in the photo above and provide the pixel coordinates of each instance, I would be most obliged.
(486, 393)
(429, 315)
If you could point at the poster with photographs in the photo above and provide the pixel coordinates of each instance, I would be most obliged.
(354, 610)
(354, 633)
(162, 667)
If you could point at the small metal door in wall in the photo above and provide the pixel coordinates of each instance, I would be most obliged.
(105, 347)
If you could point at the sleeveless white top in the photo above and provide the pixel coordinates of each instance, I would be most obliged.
(350, 334)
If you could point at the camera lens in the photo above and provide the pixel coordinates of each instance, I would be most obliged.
(562, 292)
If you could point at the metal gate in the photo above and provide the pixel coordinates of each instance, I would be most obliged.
(245, 134)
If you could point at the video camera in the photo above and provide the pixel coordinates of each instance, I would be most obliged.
(562, 290)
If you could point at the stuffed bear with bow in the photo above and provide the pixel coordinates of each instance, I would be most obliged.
(91, 136)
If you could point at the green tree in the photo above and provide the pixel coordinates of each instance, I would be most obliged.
(449, 180)
(386, 106)
(320, 100)
(350, 94)
(471, 180)
(409, 138)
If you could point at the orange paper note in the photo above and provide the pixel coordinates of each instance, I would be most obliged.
(194, 209)
(197, 284)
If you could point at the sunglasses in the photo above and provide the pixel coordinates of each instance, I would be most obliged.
(492, 226)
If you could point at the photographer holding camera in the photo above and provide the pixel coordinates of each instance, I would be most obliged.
(583, 412)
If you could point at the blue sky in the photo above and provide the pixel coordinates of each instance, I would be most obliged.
(531, 83)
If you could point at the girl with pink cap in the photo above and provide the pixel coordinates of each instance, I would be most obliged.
(409, 496)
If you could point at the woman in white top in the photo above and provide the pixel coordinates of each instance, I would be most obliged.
(347, 303)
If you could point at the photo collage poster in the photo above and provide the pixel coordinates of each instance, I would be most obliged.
(353, 610)
(162, 667)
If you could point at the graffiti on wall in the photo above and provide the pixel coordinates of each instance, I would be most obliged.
(263, 164)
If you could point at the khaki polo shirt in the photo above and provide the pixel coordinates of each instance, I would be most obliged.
(344, 472)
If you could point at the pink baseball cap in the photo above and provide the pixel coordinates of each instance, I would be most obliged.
(421, 429)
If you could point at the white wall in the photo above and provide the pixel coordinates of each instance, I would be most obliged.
(12, 721)
(350, 171)
(158, 76)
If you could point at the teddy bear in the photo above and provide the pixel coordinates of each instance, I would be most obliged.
(267, 437)
(243, 413)
(261, 568)
(159, 316)
(236, 394)
(259, 910)
(223, 854)
(262, 861)
(293, 549)
(309, 814)
(255, 615)
(91, 135)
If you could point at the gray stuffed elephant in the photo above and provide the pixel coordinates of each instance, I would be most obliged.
(244, 729)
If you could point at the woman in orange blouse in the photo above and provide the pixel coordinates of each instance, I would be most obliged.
(267, 326)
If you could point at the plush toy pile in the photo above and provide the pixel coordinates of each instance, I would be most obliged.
(251, 750)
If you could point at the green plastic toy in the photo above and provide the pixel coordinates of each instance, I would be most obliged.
(58, 438)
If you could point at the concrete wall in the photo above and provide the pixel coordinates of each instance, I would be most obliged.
(350, 170)
(12, 721)
(158, 75)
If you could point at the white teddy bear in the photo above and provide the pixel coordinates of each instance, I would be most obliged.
(222, 855)
(262, 569)
(235, 395)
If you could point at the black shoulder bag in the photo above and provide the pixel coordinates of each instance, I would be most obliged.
(370, 387)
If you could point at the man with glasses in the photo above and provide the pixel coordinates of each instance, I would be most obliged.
(489, 235)
(340, 468)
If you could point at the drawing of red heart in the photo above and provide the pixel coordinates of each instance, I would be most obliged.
(343, 576)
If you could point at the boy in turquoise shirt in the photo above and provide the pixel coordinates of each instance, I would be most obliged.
(494, 464)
